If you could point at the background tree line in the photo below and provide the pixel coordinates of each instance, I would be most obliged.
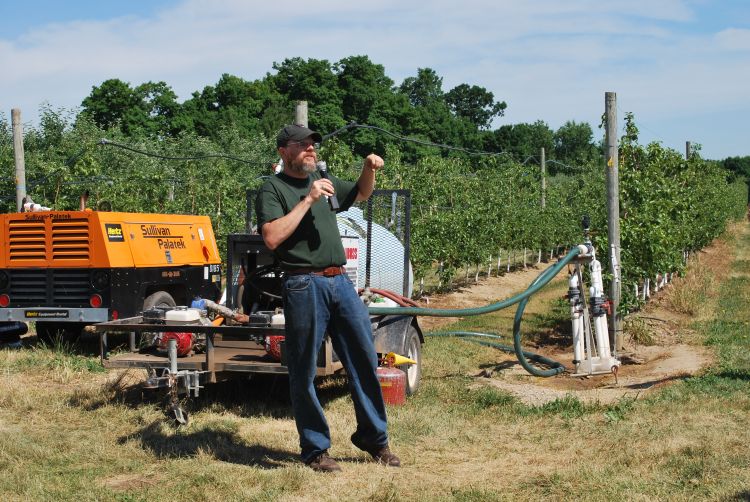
(353, 89)
(465, 211)
(466, 208)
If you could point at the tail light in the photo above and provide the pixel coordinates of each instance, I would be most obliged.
(4, 300)
(95, 301)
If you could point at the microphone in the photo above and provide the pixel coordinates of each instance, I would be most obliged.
(333, 201)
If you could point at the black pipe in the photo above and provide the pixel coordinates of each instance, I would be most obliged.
(13, 328)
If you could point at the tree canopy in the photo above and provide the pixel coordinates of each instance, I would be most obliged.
(354, 89)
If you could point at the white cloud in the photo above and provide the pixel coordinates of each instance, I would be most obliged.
(548, 59)
(734, 39)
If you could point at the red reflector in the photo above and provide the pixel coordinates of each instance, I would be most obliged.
(4, 300)
(95, 301)
(115, 315)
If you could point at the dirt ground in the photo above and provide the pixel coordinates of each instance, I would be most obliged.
(644, 367)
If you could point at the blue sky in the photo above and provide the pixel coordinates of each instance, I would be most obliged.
(681, 66)
(20, 17)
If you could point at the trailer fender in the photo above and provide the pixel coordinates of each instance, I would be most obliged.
(389, 332)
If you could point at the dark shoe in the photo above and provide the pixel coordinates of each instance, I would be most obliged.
(381, 454)
(324, 463)
(386, 457)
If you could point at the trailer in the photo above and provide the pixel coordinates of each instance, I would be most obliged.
(253, 277)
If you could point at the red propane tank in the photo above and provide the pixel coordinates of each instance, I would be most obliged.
(184, 342)
(273, 346)
(393, 383)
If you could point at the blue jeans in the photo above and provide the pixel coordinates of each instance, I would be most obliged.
(313, 305)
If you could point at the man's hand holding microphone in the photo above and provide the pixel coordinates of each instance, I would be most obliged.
(324, 187)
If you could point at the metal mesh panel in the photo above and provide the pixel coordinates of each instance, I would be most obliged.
(383, 244)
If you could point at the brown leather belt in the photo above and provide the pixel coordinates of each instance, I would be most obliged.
(326, 272)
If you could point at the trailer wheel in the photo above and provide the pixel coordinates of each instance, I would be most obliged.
(158, 299)
(412, 350)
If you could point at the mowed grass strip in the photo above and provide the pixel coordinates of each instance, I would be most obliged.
(70, 431)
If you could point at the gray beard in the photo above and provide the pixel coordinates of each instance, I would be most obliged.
(303, 168)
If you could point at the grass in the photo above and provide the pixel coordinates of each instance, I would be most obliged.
(638, 331)
(70, 431)
(691, 293)
(468, 272)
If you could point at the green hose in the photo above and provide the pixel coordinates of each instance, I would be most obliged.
(556, 368)
(538, 358)
(522, 299)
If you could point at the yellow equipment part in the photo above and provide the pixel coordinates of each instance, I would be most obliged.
(393, 359)
(105, 240)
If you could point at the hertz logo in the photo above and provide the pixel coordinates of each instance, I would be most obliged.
(114, 232)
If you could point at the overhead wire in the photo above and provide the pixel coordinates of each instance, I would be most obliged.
(204, 156)
(640, 125)
(106, 142)
(347, 127)
(408, 139)
(572, 168)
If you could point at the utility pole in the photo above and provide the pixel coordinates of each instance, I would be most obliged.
(18, 156)
(687, 150)
(544, 178)
(300, 113)
(613, 219)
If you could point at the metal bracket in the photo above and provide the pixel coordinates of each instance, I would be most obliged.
(184, 381)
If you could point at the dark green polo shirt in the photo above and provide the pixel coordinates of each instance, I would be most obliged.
(316, 242)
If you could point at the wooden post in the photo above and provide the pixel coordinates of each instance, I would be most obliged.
(300, 113)
(613, 218)
(543, 164)
(18, 156)
(687, 150)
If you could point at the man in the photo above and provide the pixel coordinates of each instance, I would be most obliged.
(297, 223)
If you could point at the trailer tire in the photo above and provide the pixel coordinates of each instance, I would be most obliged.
(158, 299)
(412, 350)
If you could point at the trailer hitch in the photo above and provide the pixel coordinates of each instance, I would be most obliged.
(177, 382)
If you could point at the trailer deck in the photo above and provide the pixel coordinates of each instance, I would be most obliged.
(228, 349)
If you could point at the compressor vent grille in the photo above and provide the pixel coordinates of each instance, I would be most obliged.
(26, 240)
(70, 239)
(50, 287)
(42, 240)
(28, 287)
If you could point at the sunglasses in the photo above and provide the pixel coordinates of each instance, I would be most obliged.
(305, 144)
